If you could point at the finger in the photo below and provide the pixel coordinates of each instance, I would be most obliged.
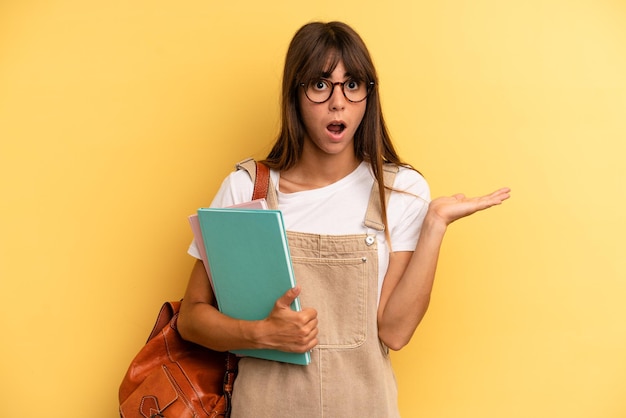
(309, 341)
(505, 191)
(311, 345)
(501, 195)
(287, 299)
(490, 200)
(309, 315)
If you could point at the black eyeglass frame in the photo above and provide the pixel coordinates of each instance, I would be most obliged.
(370, 87)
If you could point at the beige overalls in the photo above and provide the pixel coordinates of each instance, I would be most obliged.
(350, 374)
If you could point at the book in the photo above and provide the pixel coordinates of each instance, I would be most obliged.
(250, 266)
(197, 232)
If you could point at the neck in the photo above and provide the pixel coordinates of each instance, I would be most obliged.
(312, 172)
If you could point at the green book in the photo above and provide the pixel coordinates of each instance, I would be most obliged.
(250, 266)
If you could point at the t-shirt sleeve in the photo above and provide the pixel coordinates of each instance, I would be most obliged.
(407, 209)
(236, 188)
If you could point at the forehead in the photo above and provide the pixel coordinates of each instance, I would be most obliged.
(324, 65)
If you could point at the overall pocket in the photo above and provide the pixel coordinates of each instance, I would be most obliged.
(337, 289)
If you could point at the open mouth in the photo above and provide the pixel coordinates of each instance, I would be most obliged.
(336, 128)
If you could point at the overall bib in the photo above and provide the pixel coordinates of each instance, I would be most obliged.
(350, 374)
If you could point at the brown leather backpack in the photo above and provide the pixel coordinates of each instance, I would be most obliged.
(171, 377)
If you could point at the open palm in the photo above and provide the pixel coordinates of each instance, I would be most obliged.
(452, 208)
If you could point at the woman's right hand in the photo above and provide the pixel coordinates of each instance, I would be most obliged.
(287, 330)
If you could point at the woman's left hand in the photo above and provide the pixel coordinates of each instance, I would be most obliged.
(451, 208)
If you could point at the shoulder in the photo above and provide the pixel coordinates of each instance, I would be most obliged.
(235, 189)
(411, 181)
(238, 179)
(240, 176)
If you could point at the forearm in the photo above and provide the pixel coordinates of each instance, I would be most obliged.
(283, 329)
(200, 322)
(408, 301)
(203, 324)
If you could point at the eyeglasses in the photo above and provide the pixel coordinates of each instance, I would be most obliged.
(321, 90)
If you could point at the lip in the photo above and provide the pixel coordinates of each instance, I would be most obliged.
(337, 122)
(337, 135)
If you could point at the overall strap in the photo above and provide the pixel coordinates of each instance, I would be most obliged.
(263, 185)
(374, 216)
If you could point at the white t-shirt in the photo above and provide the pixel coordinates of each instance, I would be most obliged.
(339, 208)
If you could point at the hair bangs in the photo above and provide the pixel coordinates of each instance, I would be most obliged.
(358, 66)
(320, 63)
(332, 47)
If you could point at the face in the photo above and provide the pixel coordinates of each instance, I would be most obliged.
(330, 126)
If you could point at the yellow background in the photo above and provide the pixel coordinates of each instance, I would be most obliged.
(118, 119)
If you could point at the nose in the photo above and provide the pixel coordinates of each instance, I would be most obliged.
(337, 100)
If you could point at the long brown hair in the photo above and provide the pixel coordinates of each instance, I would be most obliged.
(315, 49)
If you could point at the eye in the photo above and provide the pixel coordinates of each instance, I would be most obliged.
(319, 85)
(352, 84)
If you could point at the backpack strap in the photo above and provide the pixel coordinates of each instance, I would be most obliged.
(262, 181)
(263, 185)
(374, 216)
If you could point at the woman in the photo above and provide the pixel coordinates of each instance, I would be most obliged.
(364, 256)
